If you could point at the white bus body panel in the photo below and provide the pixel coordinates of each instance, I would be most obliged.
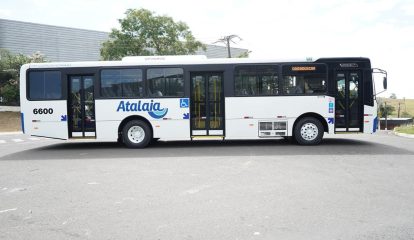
(52, 125)
(243, 114)
(370, 118)
(173, 125)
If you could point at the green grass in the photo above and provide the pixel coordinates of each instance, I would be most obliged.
(405, 105)
(405, 129)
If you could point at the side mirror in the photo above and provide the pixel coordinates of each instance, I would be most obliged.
(384, 80)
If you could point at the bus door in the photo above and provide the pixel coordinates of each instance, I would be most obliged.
(348, 101)
(81, 107)
(207, 104)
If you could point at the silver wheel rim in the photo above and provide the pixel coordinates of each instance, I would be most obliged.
(309, 131)
(136, 134)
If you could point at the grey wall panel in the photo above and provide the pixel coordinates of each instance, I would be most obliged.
(57, 43)
(69, 44)
(213, 51)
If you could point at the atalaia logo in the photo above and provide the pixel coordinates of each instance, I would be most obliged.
(153, 108)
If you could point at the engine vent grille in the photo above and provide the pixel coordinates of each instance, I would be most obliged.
(279, 125)
(272, 129)
(266, 126)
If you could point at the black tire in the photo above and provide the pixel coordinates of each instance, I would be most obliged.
(308, 131)
(142, 137)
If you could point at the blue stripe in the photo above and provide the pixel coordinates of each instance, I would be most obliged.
(375, 124)
(22, 119)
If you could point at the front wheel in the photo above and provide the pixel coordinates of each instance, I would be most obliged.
(308, 131)
(136, 134)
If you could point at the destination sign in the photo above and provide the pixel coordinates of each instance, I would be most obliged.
(304, 68)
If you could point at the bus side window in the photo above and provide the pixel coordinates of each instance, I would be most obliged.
(165, 82)
(121, 83)
(261, 80)
(307, 80)
(45, 85)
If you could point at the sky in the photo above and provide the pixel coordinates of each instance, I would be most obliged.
(382, 30)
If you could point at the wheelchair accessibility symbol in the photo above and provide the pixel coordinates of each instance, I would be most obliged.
(184, 103)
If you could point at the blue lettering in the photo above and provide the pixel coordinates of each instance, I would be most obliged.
(139, 106)
(145, 107)
(154, 109)
(157, 107)
(133, 107)
(121, 106)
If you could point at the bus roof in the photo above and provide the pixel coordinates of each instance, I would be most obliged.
(181, 60)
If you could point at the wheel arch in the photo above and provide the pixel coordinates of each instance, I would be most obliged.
(130, 118)
(314, 115)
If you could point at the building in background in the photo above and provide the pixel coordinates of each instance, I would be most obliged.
(64, 44)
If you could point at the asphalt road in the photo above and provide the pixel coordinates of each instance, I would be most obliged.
(349, 187)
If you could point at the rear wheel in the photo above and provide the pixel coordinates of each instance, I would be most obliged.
(308, 131)
(136, 134)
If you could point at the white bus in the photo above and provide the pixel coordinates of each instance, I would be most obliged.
(141, 99)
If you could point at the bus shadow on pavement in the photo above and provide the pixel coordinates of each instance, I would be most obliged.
(96, 150)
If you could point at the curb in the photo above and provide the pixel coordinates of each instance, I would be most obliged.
(10, 133)
(404, 135)
(9, 108)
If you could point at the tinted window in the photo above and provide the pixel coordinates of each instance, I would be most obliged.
(165, 82)
(45, 85)
(122, 83)
(256, 80)
(304, 79)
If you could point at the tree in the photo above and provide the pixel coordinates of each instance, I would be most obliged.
(406, 115)
(385, 110)
(226, 40)
(10, 65)
(143, 33)
(244, 54)
(37, 57)
(10, 93)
